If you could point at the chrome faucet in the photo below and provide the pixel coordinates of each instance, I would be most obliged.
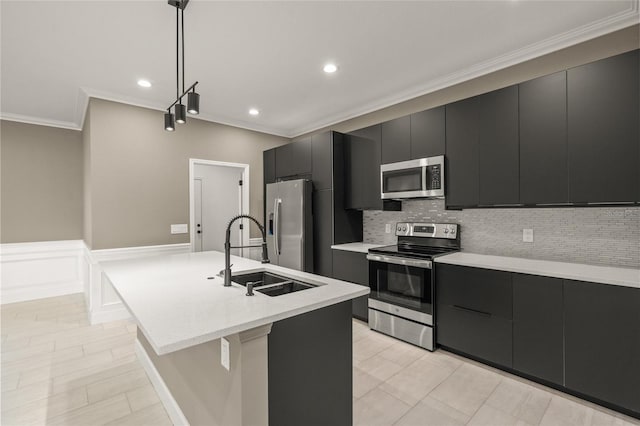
(227, 247)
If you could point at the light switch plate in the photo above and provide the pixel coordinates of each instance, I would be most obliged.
(224, 353)
(387, 228)
(527, 235)
(179, 228)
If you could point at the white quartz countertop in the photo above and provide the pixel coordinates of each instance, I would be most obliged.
(359, 247)
(626, 277)
(176, 306)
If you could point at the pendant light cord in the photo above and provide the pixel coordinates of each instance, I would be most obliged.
(177, 52)
(182, 16)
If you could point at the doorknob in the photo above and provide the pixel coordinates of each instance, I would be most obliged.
(199, 231)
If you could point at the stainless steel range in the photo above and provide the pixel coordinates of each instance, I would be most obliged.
(402, 281)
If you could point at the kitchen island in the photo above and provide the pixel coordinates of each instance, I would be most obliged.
(288, 358)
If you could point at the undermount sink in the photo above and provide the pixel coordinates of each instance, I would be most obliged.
(271, 284)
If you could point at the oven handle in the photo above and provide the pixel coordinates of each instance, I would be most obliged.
(426, 264)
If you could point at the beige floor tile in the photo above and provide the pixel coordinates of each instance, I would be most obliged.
(489, 416)
(415, 382)
(26, 394)
(9, 381)
(132, 328)
(142, 397)
(520, 400)
(25, 352)
(600, 418)
(467, 388)
(154, 415)
(115, 385)
(64, 368)
(99, 413)
(363, 382)
(94, 374)
(563, 412)
(378, 408)
(444, 359)
(369, 346)
(38, 412)
(379, 367)
(46, 360)
(109, 343)
(430, 412)
(118, 323)
(402, 353)
(124, 350)
(91, 336)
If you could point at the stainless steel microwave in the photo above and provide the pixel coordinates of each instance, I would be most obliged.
(423, 178)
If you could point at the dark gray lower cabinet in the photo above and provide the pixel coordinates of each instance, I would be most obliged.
(474, 312)
(353, 267)
(311, 370)
(538, 327)
(602, 341)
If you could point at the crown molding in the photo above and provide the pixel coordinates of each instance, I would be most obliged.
(18, 118)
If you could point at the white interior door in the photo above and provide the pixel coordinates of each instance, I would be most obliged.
(220, 200)
(197, 207)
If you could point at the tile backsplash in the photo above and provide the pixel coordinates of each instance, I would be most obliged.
(594, 235)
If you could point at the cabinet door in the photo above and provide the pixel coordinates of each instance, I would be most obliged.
(322, 164)
(396, 140)
(322, 232)
(461, 168)
(362, 169)
(603, 121)
(353, 267)
(428, 133)
(474, 311)
(543, 140)
(538, 327)
(498, 151)
(301, 157)
(602, 342)
(269, 166)
(284, 159)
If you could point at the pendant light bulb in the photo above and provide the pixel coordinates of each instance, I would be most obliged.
(193, 103)
(181, 113)
(169, 123)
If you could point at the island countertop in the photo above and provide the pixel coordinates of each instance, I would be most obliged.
(177, 305)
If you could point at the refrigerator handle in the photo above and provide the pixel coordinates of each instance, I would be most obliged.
(276, 231)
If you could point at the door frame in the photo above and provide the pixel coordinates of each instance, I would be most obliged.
(245, 196)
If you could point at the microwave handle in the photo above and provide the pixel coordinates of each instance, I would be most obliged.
(424, 178)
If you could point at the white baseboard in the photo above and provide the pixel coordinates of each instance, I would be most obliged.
(103, 301)
(41, 269)
(169, 403)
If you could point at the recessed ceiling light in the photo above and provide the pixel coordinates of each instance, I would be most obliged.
(254, 111)
(330, 68)
(144, 83)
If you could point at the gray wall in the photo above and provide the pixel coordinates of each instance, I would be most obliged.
(139, 172)
(86, 182)
(595, 235)
(41, 189)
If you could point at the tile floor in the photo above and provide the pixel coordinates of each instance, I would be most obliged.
(59, 370)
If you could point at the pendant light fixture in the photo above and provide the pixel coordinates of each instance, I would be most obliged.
(193, 99)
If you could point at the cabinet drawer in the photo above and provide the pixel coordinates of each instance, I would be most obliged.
(351, 266)
(482, 290)
(480, 335)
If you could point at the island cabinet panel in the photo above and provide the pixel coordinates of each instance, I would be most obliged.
(602, 342)
(603, 130)
(498, 152)
(543, 140)
(474, 310)
(353, 267)
(461, 159)
(538, 348)
(293, 159)
(322, 232)
(428, 133)
(321, 161)
(311, 369)
(396, 140)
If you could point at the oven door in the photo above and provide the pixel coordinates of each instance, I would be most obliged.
(402, 286)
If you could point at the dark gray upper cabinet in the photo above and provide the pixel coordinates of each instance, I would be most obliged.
(603, 125)
(461, 167)
(362, 169)
(498, 151)
(322, 161)
(269, 166)
(602, 342)
(293, 159)
(543, 140)
(428, 133)
(538, 327)
(396, 140)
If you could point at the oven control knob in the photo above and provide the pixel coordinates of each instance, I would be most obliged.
(446, 230)
(453, 230)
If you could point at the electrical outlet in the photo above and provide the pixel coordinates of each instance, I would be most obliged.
(224, 353)
(527, 235)
(387, 228)
(179, 228)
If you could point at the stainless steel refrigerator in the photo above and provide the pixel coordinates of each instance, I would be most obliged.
(290, 224)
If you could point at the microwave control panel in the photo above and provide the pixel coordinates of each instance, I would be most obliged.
(433, 230)
(434, 177)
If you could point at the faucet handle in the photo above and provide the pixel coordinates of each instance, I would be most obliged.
(250, 285)
(221, 273)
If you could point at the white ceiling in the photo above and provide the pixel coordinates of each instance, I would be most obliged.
(269, 55)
